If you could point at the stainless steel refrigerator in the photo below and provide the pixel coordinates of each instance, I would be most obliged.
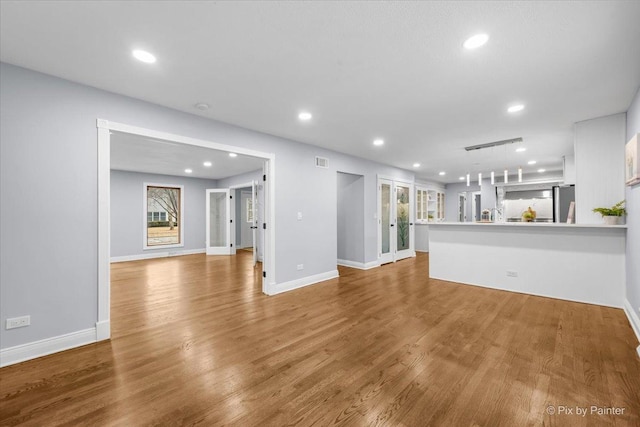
(562, 198)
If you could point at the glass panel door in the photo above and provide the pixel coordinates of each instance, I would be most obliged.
(218, 229)
(404, 221)
(386, 226)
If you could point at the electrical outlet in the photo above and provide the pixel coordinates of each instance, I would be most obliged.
(18, 322)
(512, 273)
(300, 267)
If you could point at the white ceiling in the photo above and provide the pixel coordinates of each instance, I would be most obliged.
(392, 70)
(140, 154)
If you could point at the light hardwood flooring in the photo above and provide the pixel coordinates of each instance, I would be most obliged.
(196, 342)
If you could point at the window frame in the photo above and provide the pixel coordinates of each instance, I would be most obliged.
(145, 215)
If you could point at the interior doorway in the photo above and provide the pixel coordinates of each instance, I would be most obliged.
(350, 220)
(105, 130)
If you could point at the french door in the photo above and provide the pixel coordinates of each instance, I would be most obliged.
(219, 219)
(395, 220)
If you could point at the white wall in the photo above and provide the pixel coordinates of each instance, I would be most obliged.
(599, 157)
(127, 220)
(632, 195)
(49, 158)
(350, 210)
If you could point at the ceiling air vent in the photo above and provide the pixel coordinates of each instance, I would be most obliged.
(322, 162)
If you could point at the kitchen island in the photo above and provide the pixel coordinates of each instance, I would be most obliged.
(583, 263)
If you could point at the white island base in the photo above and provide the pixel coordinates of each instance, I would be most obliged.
(583, 263)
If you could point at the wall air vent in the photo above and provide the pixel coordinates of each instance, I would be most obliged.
(493, 144)
(322, 162)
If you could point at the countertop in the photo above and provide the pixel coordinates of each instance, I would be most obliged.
(527, 224)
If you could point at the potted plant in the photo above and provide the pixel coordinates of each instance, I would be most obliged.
(614, 214)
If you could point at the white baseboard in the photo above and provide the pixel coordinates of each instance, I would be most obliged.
(32, 350)
(633, 319)
(358, 265)
(279, 288)
(152, 255)
(103, 330)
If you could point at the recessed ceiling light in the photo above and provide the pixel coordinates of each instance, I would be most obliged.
(202, 106)
(515, 108)
(531, 162)
(233, 155)
(476, 41)
(207, 164)
(542, 170)
(144, 56)
(461, 178)
(188, 171)
(442, 173)
(521, 150)
(378, 142)
(304, 116)
(416, 165)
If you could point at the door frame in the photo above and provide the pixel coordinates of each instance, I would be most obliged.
(254, 186)
(104, 127)
(474, 208)
(462, 207)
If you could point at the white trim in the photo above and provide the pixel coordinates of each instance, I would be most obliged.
(269, 217)
(32, 350)
(104, 221)
(278, 288)
(103, 330)
(238, 186)
(634, 320)
(358, 265)
(145, 205)
(164, 254)
(392, 178)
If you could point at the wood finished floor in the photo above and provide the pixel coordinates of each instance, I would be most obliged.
(196, 342)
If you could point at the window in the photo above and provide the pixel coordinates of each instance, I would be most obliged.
(156, 216)
(163, 207)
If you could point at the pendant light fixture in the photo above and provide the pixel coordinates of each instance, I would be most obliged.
(519, 174)
(468, 180)
(493, 178)
(480, 179)
(506, 176)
